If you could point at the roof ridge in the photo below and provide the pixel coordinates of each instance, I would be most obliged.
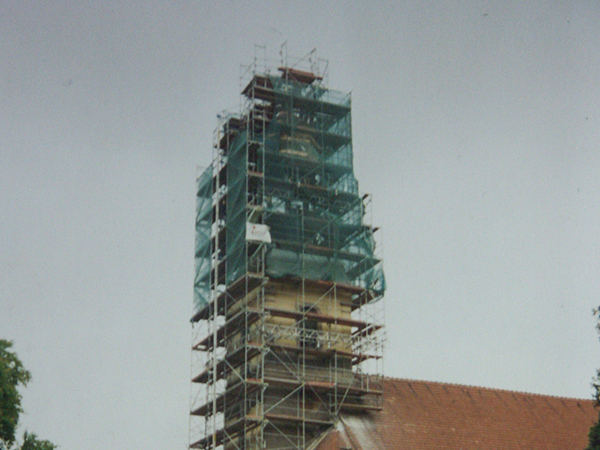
(511, 391)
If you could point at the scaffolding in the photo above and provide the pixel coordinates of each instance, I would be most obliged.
(287, 324)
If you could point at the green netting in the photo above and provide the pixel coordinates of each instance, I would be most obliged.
(311, 199)
(203, 241)
(289, 166)
(237, 198)
(310, 92)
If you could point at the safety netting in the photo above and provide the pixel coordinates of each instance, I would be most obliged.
(288, 164)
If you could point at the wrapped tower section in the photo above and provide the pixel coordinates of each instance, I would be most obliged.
(287, 319)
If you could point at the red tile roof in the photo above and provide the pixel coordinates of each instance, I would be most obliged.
(419, 415)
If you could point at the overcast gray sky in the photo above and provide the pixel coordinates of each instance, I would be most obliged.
(476, 128)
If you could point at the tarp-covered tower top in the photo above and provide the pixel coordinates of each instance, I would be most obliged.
(288, 281)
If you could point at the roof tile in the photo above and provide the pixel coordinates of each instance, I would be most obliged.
(419, 415)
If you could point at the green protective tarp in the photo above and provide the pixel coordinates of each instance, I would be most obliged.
(307, 194)
(203, 239)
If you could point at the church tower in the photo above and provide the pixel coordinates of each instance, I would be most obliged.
(287, 313)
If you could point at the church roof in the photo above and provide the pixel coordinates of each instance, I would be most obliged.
(420, 415)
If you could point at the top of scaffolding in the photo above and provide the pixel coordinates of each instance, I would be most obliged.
(285, 162)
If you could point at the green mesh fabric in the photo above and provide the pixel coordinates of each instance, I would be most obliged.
(236, 208)
(311, 197)
(289, 166)
(203, 245)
